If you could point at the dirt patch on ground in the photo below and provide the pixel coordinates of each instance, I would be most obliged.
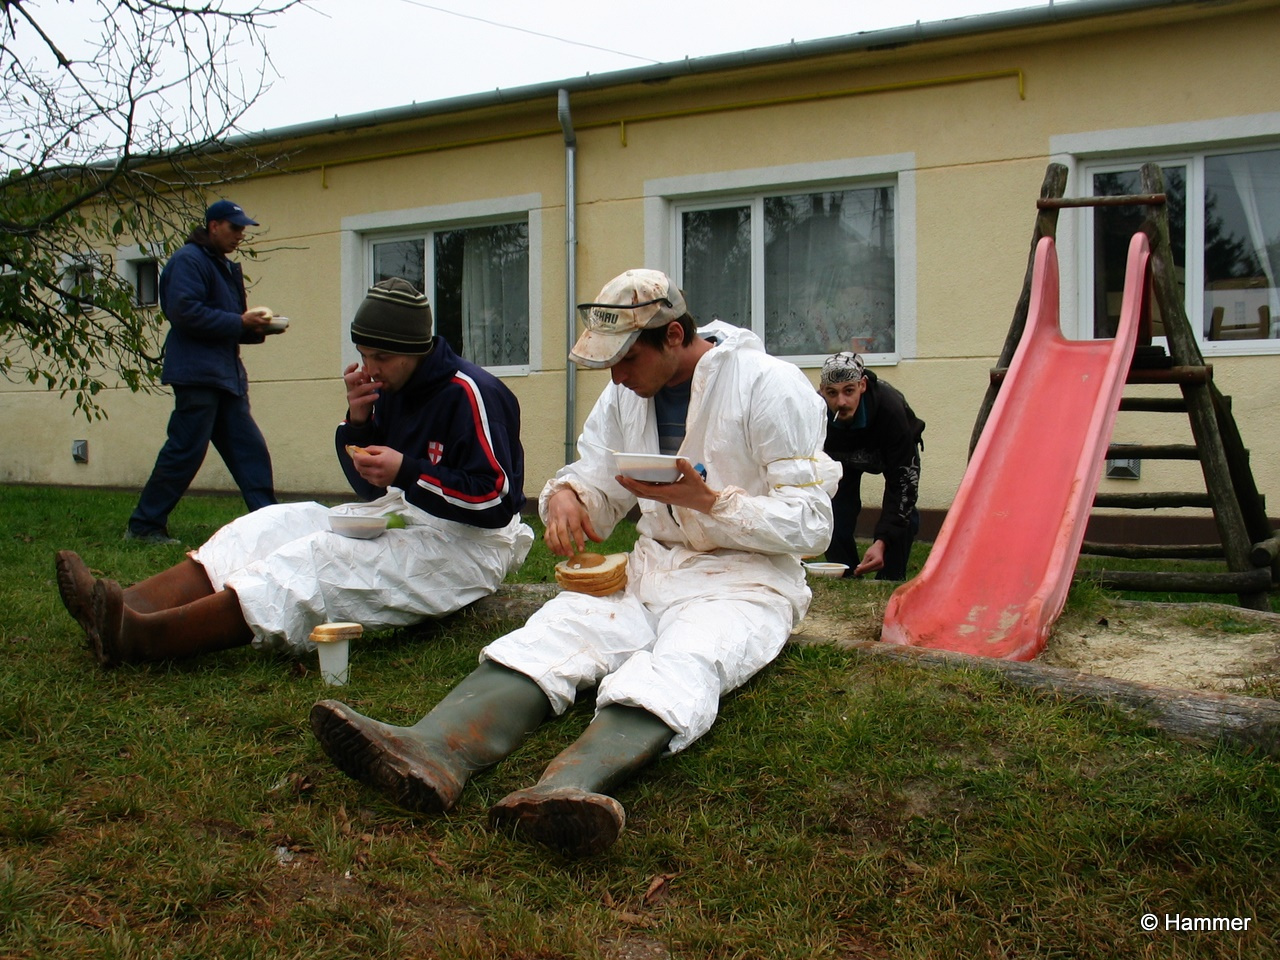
(1189, 646)
(1201, 646)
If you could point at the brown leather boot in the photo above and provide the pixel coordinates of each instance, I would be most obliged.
(75, 585)
(175, 587)
(568, 809)
(170, 588)
(424, 767)
(122, 635)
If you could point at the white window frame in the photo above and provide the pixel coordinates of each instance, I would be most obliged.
(360, 232)
(1177, 144)
(666, 198)
(126, 262)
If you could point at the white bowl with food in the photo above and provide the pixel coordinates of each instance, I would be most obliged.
(648, 467)
(816, 569)
(357, 528)
(277, 325)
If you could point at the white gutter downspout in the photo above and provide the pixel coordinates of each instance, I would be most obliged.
(571, 274)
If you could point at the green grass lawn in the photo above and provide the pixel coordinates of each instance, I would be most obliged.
(838, 809)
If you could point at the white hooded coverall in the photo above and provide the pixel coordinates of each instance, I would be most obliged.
(290, 572)
(710, 598)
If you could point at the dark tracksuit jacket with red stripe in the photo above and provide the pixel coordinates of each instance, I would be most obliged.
(458, 428)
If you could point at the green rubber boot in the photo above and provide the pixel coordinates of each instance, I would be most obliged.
(568, 809)
(424, 767)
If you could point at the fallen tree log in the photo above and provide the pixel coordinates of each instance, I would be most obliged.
(1202, 717)
(513, 601)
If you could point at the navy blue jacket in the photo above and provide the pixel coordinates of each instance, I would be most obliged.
(458, 428)
(202, 295)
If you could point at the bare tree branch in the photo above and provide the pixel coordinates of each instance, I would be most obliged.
(113, 133)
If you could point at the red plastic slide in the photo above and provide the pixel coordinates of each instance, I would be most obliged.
(998, 574)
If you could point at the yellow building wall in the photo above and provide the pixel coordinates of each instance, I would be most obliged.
(978, 150)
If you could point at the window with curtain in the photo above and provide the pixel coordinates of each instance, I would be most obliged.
(1224, 221)
(812, 273)
(1242, 246)
(477, 278)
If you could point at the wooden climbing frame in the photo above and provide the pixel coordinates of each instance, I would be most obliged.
(1248, 544)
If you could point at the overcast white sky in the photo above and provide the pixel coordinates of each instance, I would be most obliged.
(342, 57)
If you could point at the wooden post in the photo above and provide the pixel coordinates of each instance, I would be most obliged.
(1252, 504)
(1185, 351)
(1046, 225)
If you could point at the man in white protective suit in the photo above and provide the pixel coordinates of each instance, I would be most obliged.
(714, 583)
(428, 436)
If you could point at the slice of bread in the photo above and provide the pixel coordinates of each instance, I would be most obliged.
(593, 574)
(328, 632)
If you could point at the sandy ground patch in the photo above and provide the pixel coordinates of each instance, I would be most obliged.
(1208, 646)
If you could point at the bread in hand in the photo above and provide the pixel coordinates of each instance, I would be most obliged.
(593, 574)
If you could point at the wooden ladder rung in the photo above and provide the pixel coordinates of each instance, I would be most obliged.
(1199, 373)
(1229, 581)
(1154, 551)
(1266, 552)
(1123, 200)
(1154, 404)
(1153, 451)
(1148, 501)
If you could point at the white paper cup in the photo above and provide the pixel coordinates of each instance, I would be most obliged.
(332, 642)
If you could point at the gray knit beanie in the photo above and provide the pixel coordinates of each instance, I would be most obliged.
(394, 317)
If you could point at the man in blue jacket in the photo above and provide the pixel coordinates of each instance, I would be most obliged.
(429, 437)
(202, 294)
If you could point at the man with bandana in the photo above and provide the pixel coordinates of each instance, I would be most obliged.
(872, 429)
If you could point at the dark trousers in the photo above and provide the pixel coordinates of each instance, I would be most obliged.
(202, 415)
(846, 505)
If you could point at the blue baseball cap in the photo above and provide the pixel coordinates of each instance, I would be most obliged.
(231, 212)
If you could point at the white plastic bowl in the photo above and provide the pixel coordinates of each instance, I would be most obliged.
(649, 467)
(826, 569)
(277, 325)
(358, 528)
